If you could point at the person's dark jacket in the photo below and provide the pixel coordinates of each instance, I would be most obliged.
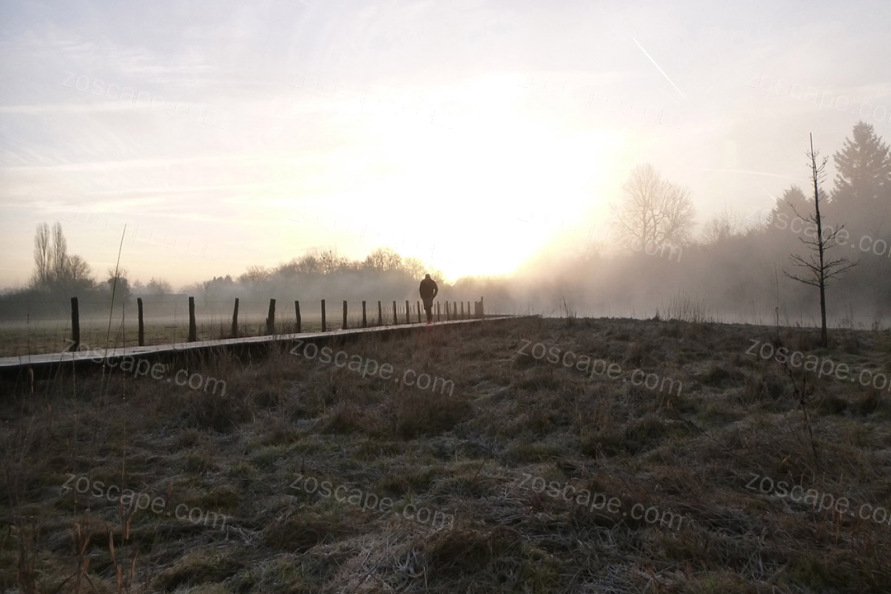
(428, 289)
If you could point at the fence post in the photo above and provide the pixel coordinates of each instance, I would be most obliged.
(297, 312)
(438, 317)
(140, 332)
(482, 308)
(380, 314)
(419, 312)
(407, 312)
(75, 325)
(395, 320)
(448, 311)
(270, 318)
(324, 327)
(344, 314)
(364, 317)
(193, 328)
(462, 310)
(234, 332)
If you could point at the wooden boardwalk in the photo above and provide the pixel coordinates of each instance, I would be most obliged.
(11, 367)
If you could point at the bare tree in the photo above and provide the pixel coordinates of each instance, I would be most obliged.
(305, 264)
(383, 259)
(42, 257)
(59, 253)
(415, 267)
(331, 262)
(655, 211)
(77, 271)
(819, 268)
(117, 282)
(157, 286)
(255, 275)
(721, 228)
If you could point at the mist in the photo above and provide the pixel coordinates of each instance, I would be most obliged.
(488, 145)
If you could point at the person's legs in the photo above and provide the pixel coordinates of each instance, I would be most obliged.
(428, 308)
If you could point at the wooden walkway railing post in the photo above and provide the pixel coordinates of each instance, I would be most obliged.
(234, 332)
(140, 329)
(193, 328)
(75, 325)
(474, 309)
(270, 318)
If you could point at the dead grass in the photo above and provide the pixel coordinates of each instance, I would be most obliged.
(509, 418)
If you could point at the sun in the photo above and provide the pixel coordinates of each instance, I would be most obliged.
(487, 188)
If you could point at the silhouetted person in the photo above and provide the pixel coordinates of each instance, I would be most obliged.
(428, 290)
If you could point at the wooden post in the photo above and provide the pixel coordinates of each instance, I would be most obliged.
(482, 309)
(364, 317)
(344, 314)
(297, 313)
(75, 325)
(324, 327)
(380, 314)
(395, 321)
(270, 318)
(419, 312)
(448, 310)
(407, 312)
(140, 333)
(193, 328)
(234, 332)
(462, 310)
(438, 317)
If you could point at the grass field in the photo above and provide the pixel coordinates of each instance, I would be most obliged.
(53, 336)
(568, 455)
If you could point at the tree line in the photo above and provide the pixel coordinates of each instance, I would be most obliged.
(809, 238)
(731, 266)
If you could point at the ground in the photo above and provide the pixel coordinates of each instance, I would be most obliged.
(568, 455)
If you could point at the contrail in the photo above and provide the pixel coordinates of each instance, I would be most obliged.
(659, 68)
(749, 172)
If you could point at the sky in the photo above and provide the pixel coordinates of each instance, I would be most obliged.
(472, 135)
